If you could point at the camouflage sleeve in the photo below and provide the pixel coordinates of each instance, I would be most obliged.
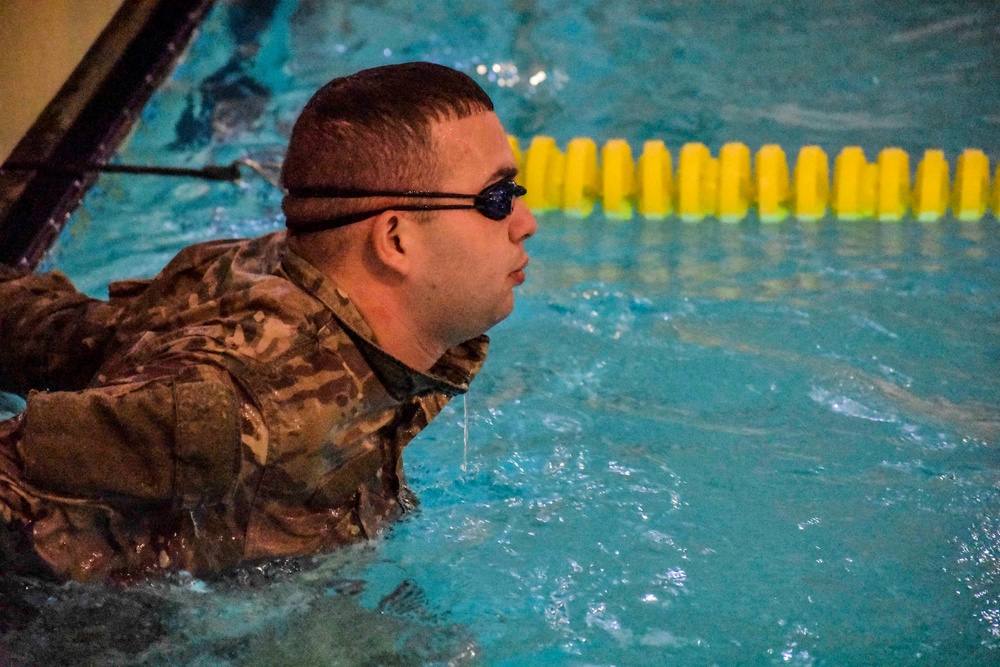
(164, 440)
(51, 335)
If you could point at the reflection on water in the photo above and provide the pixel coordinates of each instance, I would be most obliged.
(286, 613)
(49, 624)
(756, 261)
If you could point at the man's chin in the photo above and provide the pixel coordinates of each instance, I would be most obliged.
(507, 310)
(482, 321)
(499, 317)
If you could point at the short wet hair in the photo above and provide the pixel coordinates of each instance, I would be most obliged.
(372, 130)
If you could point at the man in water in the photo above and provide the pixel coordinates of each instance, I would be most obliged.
(253, 399)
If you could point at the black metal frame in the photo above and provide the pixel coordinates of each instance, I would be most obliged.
(88, 118)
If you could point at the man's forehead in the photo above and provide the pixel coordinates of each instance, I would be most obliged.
(476, 146)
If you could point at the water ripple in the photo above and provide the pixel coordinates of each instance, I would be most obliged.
(849, 407)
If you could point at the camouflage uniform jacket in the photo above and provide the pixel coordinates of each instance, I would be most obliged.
(235, 407)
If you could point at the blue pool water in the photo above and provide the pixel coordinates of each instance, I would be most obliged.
(693, 443)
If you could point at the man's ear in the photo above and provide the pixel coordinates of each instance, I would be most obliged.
(390, 241)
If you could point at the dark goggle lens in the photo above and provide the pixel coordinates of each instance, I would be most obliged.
(497, 201)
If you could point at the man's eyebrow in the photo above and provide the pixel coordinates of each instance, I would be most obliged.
(502, 173)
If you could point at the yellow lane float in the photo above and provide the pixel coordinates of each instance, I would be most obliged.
(729, 186)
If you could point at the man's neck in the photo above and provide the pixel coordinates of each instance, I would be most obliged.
(396, 334)
(394, 330)
(385, 309)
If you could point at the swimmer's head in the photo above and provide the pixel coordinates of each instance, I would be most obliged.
(372, 130)
(399, 137)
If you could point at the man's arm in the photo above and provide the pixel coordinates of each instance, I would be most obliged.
(168, 440)
(127, 478)
(52, 336)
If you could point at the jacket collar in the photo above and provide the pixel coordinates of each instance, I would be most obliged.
(450, 375)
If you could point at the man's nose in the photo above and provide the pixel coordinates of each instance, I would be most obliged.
(522, 223)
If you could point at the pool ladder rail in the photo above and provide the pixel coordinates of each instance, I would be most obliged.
(728, 186)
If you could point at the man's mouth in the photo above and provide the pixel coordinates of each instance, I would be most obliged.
(518, 273)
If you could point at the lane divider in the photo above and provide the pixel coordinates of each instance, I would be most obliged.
(729, 186)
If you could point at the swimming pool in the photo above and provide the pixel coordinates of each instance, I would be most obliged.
(693, 443)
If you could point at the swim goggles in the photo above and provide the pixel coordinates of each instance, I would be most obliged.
(496, 202)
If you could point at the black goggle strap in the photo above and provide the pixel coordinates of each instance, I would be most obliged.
(496, 202)
(507, 188)
(350, 218)
(355, 193)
